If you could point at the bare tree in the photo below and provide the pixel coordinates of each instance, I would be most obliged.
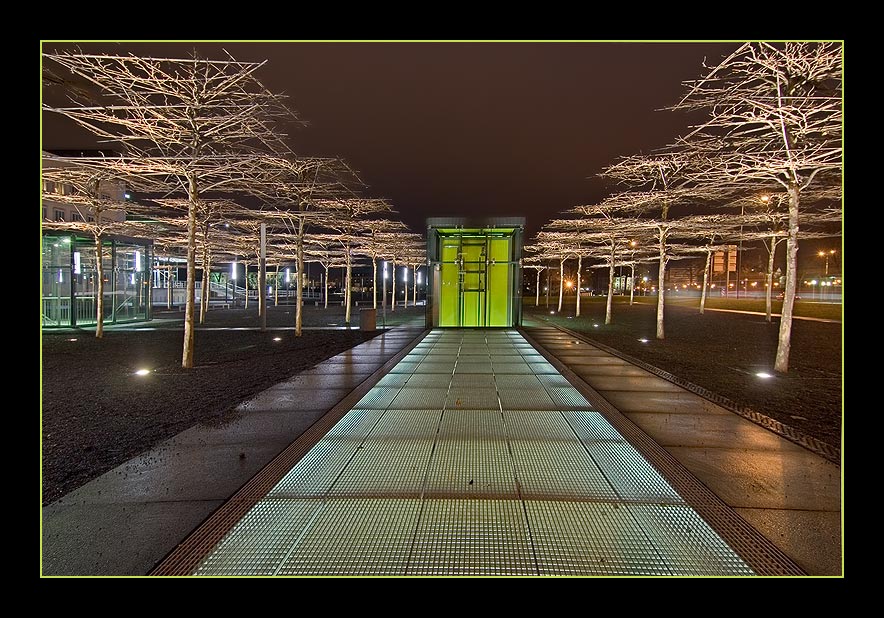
(775, 120)
(555, 246)
(534, 261)
(406, 249)
(325, 250)
(413, 253)
(201, 125)
(305, 196)
(599, 227)
(766, 219)
(350, 215)
(378, 235)
(658, 183)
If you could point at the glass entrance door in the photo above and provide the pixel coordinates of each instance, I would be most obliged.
(475, 279)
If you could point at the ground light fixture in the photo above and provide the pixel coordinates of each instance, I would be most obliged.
(643, 340)
(142, 372)
(72, 339)
(277, 338)
(763, 375)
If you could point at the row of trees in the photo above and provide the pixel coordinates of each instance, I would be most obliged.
(764, 166)
(203, 143)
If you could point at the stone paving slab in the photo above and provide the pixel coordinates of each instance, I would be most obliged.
(115, 539)
(790, 494)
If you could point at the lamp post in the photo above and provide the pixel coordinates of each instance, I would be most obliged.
(826, 254)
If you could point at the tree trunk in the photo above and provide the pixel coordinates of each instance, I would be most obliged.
(245, 284)
(785, 336)
(537, 297)
(276, 287)
(561, 282)
(548, 286)
(348, 287)
(187, 353)
(169, 287)
(770, 264)
(579, 268)
(325, 287)
(705, 281)
(206, 290)
(661, 286)
(99, 273)
(610, 302)
(262, 291)
(374, 282)
(299, 295)
(727, 273)
(631, 282)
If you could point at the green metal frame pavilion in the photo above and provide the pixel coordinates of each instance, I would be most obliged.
(474, 272)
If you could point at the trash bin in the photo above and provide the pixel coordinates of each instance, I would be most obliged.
(368, 320)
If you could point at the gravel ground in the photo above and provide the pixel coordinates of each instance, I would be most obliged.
(96, 414)
(723, 351)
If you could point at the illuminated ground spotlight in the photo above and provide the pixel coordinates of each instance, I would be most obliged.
(643, 340)
(142, 372)
(763, 374)
(277, 338)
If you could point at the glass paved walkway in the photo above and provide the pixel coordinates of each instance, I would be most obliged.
(473, 456)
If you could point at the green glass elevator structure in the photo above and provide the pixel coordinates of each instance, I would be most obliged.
(474, 272)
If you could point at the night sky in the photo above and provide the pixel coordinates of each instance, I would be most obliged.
(447, 129)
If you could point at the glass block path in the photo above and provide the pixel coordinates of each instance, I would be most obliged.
(473, 456)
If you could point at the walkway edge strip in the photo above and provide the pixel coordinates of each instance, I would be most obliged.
(752, 546)
(187, 555)
(818, 447)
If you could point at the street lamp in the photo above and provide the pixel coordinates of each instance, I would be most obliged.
(826, 254)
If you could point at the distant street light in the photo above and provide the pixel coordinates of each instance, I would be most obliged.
(826, 255)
